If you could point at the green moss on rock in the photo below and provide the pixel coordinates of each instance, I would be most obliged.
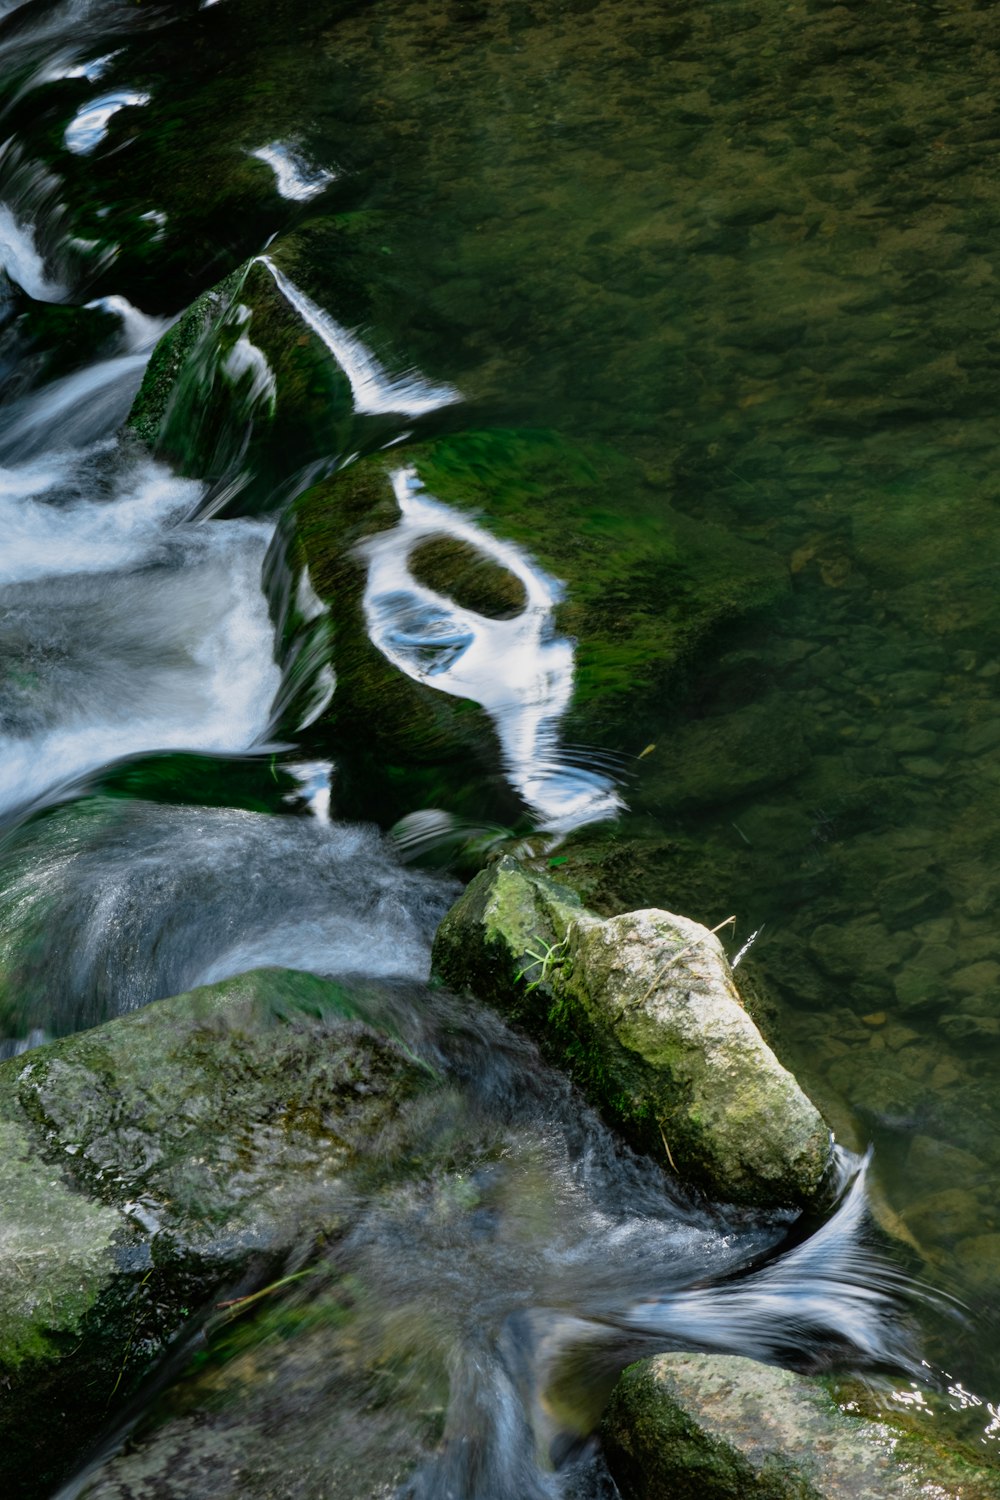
(475, 582)
(646, 591)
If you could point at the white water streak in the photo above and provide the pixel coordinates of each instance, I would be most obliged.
(19, 257)
(295, 178)
(89, 125)
(374, 390)
(519, 669)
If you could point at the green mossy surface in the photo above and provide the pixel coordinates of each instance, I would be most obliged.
(644, 597)
(458, 571)
(167, 361)
(206, 417)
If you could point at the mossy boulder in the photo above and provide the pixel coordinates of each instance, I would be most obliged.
(242, 392)
(158, 1158)
(643, 1011)
(716, 1427)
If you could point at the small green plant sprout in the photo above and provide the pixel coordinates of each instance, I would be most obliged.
(544, 957)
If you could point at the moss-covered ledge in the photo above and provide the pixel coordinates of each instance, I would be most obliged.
(643, 1012)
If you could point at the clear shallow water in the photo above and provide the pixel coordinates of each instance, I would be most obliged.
(751, 248)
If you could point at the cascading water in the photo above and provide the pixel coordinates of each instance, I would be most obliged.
(131, 624)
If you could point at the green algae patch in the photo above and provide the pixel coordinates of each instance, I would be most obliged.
(642, 1011)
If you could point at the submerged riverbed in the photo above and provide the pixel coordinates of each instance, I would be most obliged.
(669, 336)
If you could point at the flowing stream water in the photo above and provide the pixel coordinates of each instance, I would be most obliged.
(165, 795)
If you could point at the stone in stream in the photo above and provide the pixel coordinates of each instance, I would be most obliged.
(716, 1427)
(643, 1011)
(157, 1160)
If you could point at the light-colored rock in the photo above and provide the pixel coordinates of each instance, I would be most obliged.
(715, 1427)
(643, 1011)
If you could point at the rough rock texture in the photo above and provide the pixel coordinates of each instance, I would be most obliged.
(277, 1407)
(643, 1010)
(150, 1162)
(714, 1427)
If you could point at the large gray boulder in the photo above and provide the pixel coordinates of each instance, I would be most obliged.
(156, 1160)
(716, 1427)
(643, 1011)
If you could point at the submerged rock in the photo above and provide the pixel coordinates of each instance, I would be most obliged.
(715, 1427)
(151, 1161)
(643, 1010)
(435, 612)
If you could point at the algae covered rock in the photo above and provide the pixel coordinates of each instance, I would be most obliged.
(157, 1158)
(243, 392)
(716, 1427)
(643, 1010)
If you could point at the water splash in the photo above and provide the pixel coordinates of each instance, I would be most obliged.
(135, 901)
(20, 258)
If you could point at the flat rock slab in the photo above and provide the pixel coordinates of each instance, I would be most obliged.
(715, 1427)
(643, 1011)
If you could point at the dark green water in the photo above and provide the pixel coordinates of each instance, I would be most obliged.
(751, 250)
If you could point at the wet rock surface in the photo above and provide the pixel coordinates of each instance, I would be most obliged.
(643, 1011)
(158, 1158)
(709, 1427)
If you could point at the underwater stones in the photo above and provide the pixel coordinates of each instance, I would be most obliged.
(150, 1161)
(877, 1087)
(863, 947)
(949, 1213)
(643, 1011)
(717, 1427)
(938, 1164)
(978, 978)
(729, 756)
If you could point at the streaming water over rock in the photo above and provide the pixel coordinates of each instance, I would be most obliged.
(518, 413)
